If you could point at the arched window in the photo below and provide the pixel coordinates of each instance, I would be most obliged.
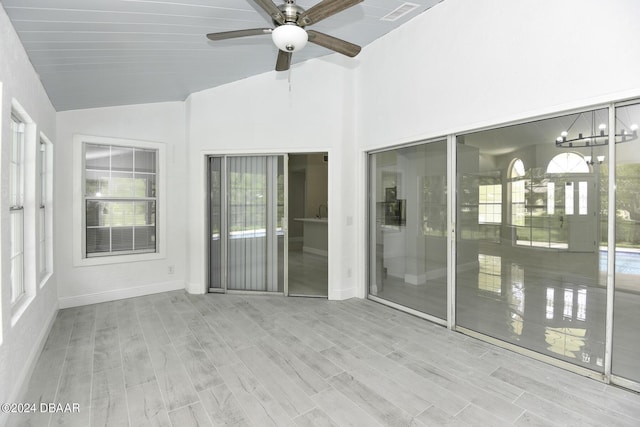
(517, 169)
(568, 163)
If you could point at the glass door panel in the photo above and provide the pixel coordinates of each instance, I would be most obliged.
(530, 273)
(408, 237)
(215, 222)
(246, 207)
(626, 338)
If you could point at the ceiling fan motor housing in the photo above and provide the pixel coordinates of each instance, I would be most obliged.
(291, 11)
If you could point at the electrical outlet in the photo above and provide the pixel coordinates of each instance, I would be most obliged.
(171, 269)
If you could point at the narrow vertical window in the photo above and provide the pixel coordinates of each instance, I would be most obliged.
(517, 177)
(16, 201)
(583, 197)
(568, 198)
(551, 198)
(42, 211)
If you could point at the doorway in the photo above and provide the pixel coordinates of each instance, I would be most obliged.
(308, 214)
(268, 224)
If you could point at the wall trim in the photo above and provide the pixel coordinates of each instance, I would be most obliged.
(342, 294)
(117, 294)
(22, 383)
(196, 289)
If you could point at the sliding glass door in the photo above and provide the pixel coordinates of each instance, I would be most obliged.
(216, 252)
(626, 339)
(246, 208)
(530, 271)
(408, 233)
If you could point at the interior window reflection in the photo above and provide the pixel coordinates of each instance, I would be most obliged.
(530, 212)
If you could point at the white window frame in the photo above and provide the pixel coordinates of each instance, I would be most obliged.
(490, 211)
(16, 209)
(79, 208)
(45, 209)
(26, 204)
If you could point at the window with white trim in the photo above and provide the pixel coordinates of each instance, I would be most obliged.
(16, 208)
(490, 204)
(120, 199)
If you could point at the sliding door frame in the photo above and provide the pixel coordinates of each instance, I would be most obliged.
(370, 262)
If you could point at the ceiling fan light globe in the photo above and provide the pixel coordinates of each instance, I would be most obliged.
(289, 37)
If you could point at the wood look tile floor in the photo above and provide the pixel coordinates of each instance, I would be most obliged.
(181, 360)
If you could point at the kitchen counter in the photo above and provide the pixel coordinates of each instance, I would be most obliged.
(315, 240)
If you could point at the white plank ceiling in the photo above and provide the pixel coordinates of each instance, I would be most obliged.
(95, 53)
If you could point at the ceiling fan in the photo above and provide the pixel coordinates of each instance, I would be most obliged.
(289, 34)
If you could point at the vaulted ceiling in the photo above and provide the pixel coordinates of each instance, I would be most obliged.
(95, 53)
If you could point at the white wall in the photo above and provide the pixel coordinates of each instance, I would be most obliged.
(161, 122)
(263, 115)
(469, 63)
(21, 342)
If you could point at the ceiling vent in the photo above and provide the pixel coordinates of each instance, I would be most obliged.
(399, 12)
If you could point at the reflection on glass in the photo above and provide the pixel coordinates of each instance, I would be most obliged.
(626, 340)
(550, 303)
(278, 220)
(516, 299)
(529, 211)
(408, 216)
(568, 198)
(568, 304)
(489, 276)
(567, 342)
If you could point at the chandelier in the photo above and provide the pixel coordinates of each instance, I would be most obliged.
(596, 138)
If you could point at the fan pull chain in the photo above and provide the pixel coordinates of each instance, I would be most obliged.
(289, 79)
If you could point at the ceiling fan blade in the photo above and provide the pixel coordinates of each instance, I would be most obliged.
(239, 33)
(284, 60)
(333, 43)
(324, 9)
(273, 11)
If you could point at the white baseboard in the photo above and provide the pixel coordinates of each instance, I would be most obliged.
(22, 383)
(117, 294)
(341, 294)
(415, 279)
(423, 278)
(196, 289)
